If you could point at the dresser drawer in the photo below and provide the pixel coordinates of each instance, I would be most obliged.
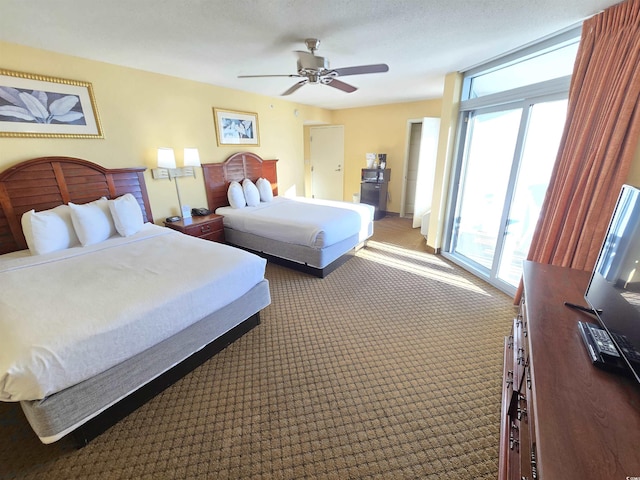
(216, 236)
(208, 227)
(205, 228)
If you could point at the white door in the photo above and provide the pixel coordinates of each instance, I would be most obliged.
(426, 169)
(327, 162)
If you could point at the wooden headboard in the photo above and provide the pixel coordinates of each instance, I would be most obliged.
(237, 167)
(46, 182)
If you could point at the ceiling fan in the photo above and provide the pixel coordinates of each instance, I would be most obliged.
(315, 70)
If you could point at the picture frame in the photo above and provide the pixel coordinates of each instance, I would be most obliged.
(236, 128)
(35, 106)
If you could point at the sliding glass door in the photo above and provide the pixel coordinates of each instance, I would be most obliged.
(543, 134)
(501, 182)
(484, 185)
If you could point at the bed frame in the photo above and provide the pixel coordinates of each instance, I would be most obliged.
(47, 182)
(218, 176)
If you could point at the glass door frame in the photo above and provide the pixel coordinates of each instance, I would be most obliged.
(464, 134)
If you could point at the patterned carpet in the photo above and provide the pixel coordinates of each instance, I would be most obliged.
(388, 368)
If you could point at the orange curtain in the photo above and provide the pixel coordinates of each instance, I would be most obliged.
(598, 144)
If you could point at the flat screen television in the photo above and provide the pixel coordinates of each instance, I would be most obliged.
(613, 292)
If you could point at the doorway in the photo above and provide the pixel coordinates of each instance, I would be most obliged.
(419, 169)
(411, 172)
(327, 162)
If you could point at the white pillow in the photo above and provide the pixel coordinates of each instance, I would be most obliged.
(251, 193)
(264, 187)
(92, 221)
(49, 230)
(126, 213)
(235, 195)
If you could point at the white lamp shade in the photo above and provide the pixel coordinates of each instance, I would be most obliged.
(166, 158)
(191, 157)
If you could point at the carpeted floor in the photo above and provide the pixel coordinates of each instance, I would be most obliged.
(388, 368)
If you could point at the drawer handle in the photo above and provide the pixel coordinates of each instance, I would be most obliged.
(509, 381)
(522, 413)
(513, 441)
(534, 464)
(205, 228)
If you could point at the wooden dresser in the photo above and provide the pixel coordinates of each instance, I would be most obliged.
(562, 418)
(208, 227)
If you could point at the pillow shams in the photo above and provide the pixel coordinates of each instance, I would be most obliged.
(126, 213)
(251, 193)
(49, 230)
(92, 221)
(235, 195)
(264, 187)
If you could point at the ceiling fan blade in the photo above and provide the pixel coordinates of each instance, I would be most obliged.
(377, 68)
(261, 76)
(345, 87)
(295, 87)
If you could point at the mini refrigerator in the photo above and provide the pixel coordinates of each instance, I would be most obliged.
(374, 188)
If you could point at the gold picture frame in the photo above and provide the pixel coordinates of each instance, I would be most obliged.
(236, 128)
(38, 106)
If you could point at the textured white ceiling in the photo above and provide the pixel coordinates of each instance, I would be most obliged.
(213, 41)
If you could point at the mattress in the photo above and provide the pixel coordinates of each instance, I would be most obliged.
(299, 221)
(70, 315)
(63, 412)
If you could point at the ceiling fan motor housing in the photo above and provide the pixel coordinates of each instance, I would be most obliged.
(311, 63)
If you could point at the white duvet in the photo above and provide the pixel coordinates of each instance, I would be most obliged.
(69, 315)
(300, 221)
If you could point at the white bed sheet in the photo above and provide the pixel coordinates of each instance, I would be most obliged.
(68, 315)
(300, 221)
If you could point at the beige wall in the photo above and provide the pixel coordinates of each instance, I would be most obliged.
(379, 129)
(634, 174)
(444, 162)
(141, 111)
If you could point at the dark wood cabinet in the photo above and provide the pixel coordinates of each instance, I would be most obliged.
(208, 227)
(561, 417)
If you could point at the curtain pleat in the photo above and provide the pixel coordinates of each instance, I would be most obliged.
(598, 144)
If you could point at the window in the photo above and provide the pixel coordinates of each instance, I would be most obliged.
(512, 117)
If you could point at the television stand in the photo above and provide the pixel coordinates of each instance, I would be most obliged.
(562, 418)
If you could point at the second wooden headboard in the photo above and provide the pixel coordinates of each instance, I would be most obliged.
(237, 167)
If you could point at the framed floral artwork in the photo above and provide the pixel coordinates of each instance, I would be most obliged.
(236, 128)
(38, 106)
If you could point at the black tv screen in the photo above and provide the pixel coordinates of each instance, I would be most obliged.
(614, 289)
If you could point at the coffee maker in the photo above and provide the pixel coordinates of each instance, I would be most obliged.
(382, 161)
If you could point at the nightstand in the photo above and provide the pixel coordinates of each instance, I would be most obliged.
(208, 227)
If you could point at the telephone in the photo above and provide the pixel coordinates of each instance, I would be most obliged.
(200, 212)
(172, 219)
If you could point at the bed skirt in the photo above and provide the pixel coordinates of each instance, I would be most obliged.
(315, 258)
(58, 415)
